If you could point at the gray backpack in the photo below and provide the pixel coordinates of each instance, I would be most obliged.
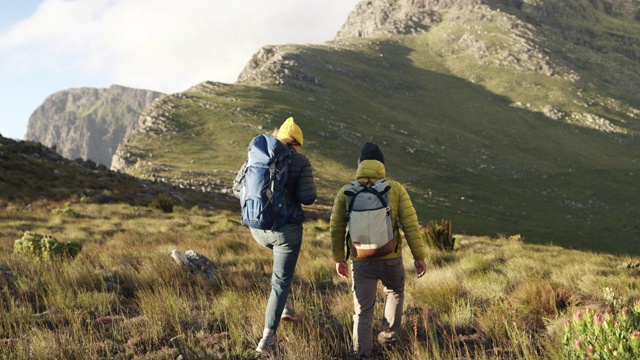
(369, 219)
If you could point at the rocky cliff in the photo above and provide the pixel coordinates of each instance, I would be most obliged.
(404, 17)
(599, 37)
(88, 123)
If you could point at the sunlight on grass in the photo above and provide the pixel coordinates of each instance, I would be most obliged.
(439, 290)
(124, 297)
(482, 288)
(166, 311)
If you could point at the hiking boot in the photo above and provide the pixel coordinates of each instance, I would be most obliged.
(288, 314)
(387, 338)
(268, 338)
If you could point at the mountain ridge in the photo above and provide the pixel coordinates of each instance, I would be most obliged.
(88, 123)
(486, 121)
(34, 173)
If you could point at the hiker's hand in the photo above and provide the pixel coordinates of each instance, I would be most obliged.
(342, 269)
(421, 267)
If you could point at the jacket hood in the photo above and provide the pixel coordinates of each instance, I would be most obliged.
(370, 169)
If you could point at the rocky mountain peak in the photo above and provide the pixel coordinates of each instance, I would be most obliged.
(279, 65)
(404, 17)
(595, 36)
(88, 123)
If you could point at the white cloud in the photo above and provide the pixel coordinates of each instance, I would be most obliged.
(56, 31)
(163, 45)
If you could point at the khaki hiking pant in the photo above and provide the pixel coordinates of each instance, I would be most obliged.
(364, 279)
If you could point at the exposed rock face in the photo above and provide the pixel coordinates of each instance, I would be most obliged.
(404, 17)
(279, 65)
(581, 28)
(156, 119)
(535, 26)
(88, 123)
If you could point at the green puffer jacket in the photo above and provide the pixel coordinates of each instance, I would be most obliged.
(402, 210)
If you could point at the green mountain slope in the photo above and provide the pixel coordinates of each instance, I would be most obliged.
(481, 112)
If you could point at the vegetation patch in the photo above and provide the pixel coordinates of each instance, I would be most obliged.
(162, 202)
(45, 247)
(124, 297)
(612, 332)
(439, 236)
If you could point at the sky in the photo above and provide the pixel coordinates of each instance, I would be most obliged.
(48, 46)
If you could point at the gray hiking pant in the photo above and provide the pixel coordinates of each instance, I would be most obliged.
(364, 278)
(285, 244)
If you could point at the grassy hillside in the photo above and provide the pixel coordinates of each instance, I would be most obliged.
(123, 297)
(478, 151)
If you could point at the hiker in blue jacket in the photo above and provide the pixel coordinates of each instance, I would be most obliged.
(286, 240)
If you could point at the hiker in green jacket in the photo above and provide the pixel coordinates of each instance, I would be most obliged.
(389, 269)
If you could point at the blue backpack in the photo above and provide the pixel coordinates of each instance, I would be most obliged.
(262, 185)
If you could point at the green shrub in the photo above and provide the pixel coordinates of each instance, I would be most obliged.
(66, 211)
(439, 236)
(163, 202)
(610, 334)
(45, 247)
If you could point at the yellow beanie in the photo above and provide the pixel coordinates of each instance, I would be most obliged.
(289, 129)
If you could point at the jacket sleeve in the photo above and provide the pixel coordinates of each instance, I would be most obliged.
(409, 220)
(238, 180)
(306, 188)
(338, 224)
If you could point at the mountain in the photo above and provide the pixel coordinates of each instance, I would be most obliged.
(506, 117)
(597, 38)
(88, 123)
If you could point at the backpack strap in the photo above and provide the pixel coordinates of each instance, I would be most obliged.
(379, 195)
(352, 200)
(395, 226)
(351, 192)
(273, 174)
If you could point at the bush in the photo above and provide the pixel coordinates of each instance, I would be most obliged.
(45, 247)
(162, 202)
(609, 334)
(66, 211)
(439, 236)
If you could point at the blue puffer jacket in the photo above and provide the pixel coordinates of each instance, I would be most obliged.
(301, 190)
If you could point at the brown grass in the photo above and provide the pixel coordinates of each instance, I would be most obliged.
(124, 297)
